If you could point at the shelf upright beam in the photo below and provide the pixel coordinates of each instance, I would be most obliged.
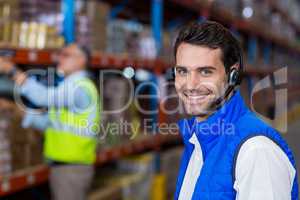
(252, 50)
(154, 101)
(68, 12)
(157, 26)
(157, 22)
(267, 53)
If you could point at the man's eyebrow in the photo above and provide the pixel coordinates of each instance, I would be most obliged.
(207, 67)
(178, 66)
(198, 68)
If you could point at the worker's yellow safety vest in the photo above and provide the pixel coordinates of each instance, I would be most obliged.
(71, 138)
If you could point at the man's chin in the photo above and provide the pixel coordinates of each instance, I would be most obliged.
(197, 112)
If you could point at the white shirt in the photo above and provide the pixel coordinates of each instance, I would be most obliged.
(263, 171)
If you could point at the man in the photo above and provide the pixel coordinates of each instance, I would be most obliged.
(229, 153)
(70, 124)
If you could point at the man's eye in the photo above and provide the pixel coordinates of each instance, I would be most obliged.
(181, 71)
(205, 72)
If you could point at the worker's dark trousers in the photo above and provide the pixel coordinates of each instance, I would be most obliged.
(70, 182)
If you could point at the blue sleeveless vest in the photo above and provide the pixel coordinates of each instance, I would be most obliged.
(221, 137)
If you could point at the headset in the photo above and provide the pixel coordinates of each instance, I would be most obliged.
(234, 80)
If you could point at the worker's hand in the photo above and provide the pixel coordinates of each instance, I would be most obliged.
(6, 65)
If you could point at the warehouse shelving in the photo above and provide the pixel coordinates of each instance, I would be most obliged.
(102, 60)
(99, 60)
(285, 15)
(37, 175)
(23, 179)
(254, 28)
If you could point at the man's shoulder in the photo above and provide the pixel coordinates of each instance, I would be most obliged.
(258, 142)
(250, 129)
(250, 123)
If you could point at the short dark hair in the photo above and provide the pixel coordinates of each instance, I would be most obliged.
(212, 35)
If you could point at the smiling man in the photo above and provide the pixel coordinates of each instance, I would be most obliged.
(229, 153)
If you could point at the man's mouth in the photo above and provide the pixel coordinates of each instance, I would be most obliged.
(195, 99)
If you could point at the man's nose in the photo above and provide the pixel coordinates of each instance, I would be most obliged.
(192, 81)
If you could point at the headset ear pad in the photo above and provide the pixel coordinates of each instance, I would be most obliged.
(233, 77)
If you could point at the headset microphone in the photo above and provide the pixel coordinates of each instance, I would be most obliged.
(232, 83)
(234, 79)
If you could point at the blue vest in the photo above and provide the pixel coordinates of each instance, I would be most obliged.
(221, 137)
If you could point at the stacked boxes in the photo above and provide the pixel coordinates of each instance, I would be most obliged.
(292, 7)
(171, 171)
(26, 24)
(130, 39)
(116, 32)
(138, 185)
(92, 25)
(82, 29)
(9, 12)
(120, 121)
(30, 35)
(260, 11)
(20, 148)
(146, 45)
(98, 25)
(5, 146)
(131, 179)
(112, 122)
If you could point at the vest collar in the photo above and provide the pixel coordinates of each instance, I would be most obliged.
(221, 122)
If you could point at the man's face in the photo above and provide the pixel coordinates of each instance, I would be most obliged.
(200, 77)
(71, 59)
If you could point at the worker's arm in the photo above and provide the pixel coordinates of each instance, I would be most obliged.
(65, 95)
(263, 171)
(39, 121)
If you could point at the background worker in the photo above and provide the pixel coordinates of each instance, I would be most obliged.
(70, 124)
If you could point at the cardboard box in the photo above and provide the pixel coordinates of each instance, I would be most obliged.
(24, 146)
